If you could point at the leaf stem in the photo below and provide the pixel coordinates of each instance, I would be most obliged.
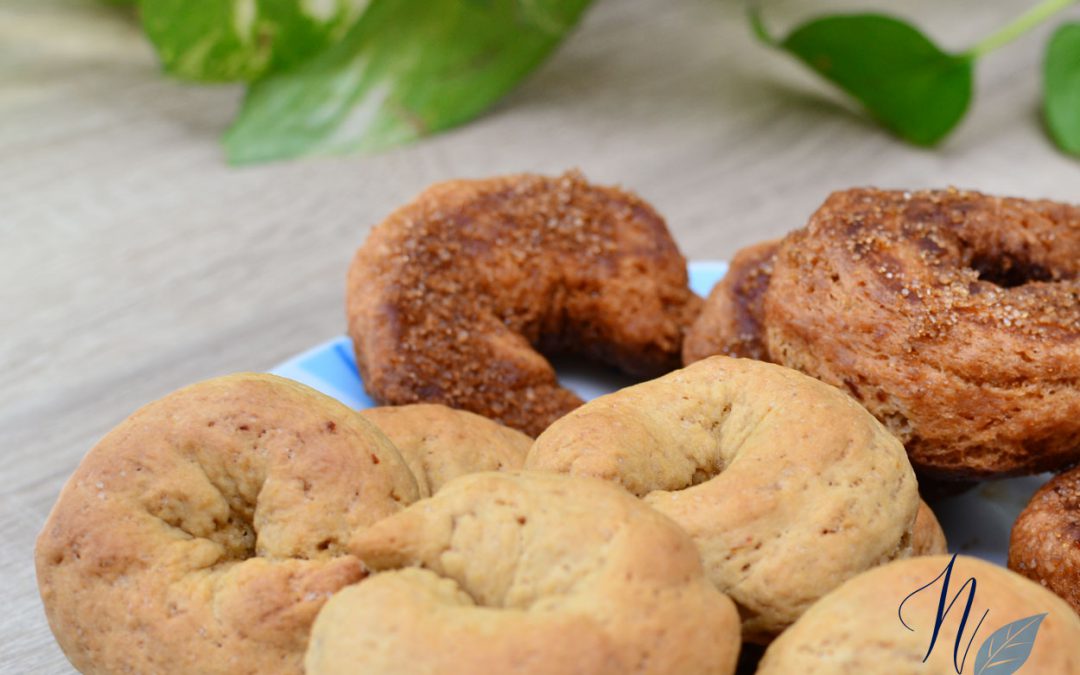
(757, 24)
(1022, 24)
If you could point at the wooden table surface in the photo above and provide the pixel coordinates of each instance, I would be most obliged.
(134, 261)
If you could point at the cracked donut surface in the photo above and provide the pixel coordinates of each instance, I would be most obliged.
(953, 316)
(530, 574)
(786, 484)
(203, 533)
(455, 297)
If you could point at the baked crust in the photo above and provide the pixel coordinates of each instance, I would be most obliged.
(953, 316)
(531, 574)
(454, 297)
(731, 321)
(856, 630)
(440, 444)
(927, 537)
(786, 484)
(1045, 541)
(204, 533)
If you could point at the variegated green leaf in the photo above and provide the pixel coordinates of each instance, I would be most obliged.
(225, 40)
(407, 68)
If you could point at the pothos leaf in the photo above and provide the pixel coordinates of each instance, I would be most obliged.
(405, 69)
(1008, 647)
(1061, 87)
(225, 40)
(902, 78)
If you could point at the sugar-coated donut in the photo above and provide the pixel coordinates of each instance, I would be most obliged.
(857, 629)
(731, 321)
(527, 574)
(1045, 541)
(203, 533)
(454, 297)
(440, 443)
(953, 316)
(786, 484)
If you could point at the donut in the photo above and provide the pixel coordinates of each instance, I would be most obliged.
(527, 574)
(861, 627)
(731, 321)
(454, 297)
(440, 443)
(1045, 541)
(203, 534)
(953, 316)
(786, 484)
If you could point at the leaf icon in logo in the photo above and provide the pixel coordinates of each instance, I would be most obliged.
(1008, 647)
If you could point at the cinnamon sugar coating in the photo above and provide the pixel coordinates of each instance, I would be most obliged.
(953, 316)
(1045, 541)
(454, 298)
(731, 324)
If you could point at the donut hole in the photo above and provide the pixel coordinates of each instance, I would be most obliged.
(1008, 271)
(236, 534)
(238, 537)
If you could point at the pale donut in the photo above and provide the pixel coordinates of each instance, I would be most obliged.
(856, 629)
(787, 485)
(528, 574)
(441, 443)
(203, 533)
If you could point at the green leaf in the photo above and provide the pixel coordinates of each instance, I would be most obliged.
(227, 40)
(406, 69)
(1061, 87)
(902, 78)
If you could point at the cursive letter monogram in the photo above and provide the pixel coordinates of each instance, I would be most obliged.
(943, 611)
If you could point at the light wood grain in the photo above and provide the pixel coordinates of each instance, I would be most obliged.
(133, 261)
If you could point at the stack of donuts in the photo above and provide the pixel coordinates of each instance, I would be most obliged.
(762, 489)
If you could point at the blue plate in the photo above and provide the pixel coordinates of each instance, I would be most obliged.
(976, 523)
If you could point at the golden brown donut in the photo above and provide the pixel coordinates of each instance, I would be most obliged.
(1045, 541)
(954, 317)
(527, 574)
(786, 484)
(856, 629)
(440, 443)
(454, 297)
(203, 534)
